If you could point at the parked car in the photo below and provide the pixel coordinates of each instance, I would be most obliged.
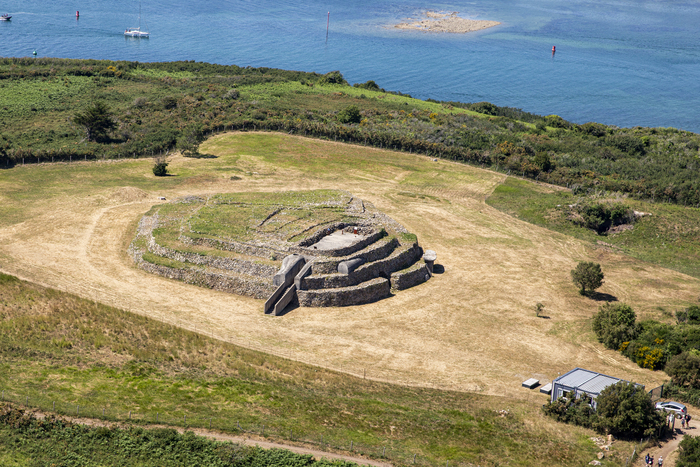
(671, 406)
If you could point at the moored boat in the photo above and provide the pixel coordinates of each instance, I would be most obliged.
(5, 17)
(135, 32)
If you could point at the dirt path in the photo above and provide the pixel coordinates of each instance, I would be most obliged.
(669, 450)
(249, 440)
(471, 328)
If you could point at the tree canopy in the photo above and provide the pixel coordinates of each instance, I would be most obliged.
(625, 409)
(615, 324)
(587, 276)
(96, 120)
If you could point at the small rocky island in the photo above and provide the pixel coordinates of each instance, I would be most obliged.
(443, 22)
(315, 248)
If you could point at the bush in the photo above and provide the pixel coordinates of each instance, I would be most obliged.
(569, 409)
(684, 369)
(169, 102)
(689, 455)
(160, 167)
(615, 324)
(369, 85)
(232, 94)
(626, 410)
(334, 77)
(350, 115)
(587, 276)
(96, 120)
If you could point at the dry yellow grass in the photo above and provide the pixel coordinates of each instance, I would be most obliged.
(472, 327)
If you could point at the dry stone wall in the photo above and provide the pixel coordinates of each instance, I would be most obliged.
(231, 264)
(249, 287)
(367, 292)
(410, 277)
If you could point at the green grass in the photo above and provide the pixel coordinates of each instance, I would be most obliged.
(26, 440)
(669, 237)
(57, 347)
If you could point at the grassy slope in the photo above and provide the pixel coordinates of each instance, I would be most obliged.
(669, 237)
(51, 441)
(57, 347)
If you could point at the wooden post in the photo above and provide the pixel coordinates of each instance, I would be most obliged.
(351, 445)
(414, 458)
(78, 411)
(156, 417)
(129, 414)
(54, 406)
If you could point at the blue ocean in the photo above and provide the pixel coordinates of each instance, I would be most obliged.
(619, 62)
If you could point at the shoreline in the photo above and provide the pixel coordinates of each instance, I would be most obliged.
(442, 22)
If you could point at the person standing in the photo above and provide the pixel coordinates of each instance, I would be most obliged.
(661, 461)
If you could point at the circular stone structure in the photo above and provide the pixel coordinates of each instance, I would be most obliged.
(314, 248)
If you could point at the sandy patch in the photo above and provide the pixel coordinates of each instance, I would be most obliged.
(442, 22)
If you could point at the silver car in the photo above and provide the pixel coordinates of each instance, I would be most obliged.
(672, 407)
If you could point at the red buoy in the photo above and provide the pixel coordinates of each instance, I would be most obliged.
(554, 48)
(77, 14)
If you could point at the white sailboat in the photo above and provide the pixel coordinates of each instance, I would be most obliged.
(136, 32)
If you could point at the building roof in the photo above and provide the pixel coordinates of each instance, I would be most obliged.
(586, 381)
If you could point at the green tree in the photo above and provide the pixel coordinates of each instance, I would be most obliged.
(350, 115)
(614, 324)
(160, 166)
(684, 368)
(689, 455)
(587, 276)
(626, 410)
(96, 120)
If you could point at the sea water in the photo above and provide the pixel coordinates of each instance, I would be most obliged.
(618, 62)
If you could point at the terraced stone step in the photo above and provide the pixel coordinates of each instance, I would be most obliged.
(366, 292)
(401, 258)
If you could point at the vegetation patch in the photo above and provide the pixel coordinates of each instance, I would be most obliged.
(53, 441)
(662, 233)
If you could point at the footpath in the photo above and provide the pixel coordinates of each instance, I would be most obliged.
(669, 450)
(251, 440)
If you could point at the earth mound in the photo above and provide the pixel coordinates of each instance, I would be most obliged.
(314, 248)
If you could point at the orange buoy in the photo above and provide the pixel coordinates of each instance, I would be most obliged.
(554, 48)
(77, 14)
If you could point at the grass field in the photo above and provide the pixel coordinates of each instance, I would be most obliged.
(669, 237)
(471, 328)
(58, 347)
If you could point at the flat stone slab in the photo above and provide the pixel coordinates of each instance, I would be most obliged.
(429, 255)
(546, 389)
(336, 240)
(531, 383)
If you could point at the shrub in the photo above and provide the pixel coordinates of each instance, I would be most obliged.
(369, 85)
(169, 102)
(333, 77)
(689, 455)
(96, 120)
(160, 167)
(626, 410)
(350, 115)
(684, 368)
(615, 324)
(570, 409)
(232, 94)
(587, 276)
